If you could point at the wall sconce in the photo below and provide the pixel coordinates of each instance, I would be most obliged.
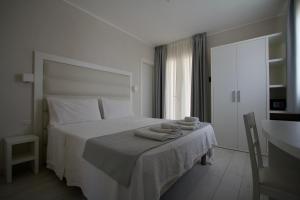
(27, 78)
(135, 88)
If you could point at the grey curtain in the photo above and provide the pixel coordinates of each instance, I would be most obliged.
(199, 78)
(293, 102)
(160, 59)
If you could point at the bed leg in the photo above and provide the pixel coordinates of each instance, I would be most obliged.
(203, 160)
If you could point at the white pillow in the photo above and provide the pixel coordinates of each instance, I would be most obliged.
(70, 110)
(116, 108)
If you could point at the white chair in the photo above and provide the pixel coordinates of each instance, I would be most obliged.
(266, 180)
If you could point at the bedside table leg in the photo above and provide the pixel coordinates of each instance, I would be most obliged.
(8, 174)
(8, 163)
(36, 155)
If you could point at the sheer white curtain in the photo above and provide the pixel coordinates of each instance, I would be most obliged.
(178, 79)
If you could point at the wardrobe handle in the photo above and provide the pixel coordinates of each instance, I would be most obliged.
(238, 96)
(233, 96)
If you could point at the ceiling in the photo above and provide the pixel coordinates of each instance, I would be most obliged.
(161, 21)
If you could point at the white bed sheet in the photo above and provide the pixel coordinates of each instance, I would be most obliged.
(154, 169)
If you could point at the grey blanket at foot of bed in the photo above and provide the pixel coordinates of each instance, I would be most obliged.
(116, 154)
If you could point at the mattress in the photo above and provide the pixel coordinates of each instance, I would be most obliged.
(153, 171)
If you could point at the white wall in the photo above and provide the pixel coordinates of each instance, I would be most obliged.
(54, 27)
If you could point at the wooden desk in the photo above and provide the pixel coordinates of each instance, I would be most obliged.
(283, 143)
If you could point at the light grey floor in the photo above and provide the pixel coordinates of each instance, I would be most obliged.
(228, 178)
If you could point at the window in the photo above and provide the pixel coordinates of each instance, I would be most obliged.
(178, 79)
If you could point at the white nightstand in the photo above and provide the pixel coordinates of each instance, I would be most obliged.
(12, 159)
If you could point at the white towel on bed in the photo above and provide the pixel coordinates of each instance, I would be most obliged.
(191, 119)
(182, 122)
(146, 133)
(195, 127)
(165, 130)
(170, 126)
(189, 125)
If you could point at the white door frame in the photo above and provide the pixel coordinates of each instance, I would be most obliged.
(147, 62)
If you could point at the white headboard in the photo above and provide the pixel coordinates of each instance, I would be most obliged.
(55, 75)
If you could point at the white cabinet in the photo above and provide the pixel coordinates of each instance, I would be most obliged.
(224, 85)
(239, 86)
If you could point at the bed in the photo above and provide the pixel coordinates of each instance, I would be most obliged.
(63, 144)
(154, 170)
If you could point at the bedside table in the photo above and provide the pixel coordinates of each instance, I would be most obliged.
(13, 159)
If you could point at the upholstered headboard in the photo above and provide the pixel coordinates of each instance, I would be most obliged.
(55, 75)
(66, 79)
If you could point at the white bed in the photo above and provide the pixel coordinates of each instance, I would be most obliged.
(154, 171)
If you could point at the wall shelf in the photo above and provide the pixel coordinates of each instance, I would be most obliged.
(277, 111)
(277, 86)
(276, 71)
(276, 60)
(275, 36)
(276, 47)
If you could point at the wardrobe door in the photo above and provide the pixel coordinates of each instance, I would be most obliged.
(223, 86)
(252, 87)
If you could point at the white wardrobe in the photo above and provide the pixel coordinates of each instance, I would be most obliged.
(239, 85)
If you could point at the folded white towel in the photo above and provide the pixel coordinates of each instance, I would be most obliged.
(170, 126)
(165, 130)
(181, 122)
(184, 127)
(191, 119)
(146, 133)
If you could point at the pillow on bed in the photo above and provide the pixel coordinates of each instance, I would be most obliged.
(70, 110)
(116, 108)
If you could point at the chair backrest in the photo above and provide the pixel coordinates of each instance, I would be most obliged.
(253, 145)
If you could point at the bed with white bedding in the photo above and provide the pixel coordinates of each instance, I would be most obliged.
(71, 116)
(154, 170)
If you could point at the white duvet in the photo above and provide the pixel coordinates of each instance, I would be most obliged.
(154, 169)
